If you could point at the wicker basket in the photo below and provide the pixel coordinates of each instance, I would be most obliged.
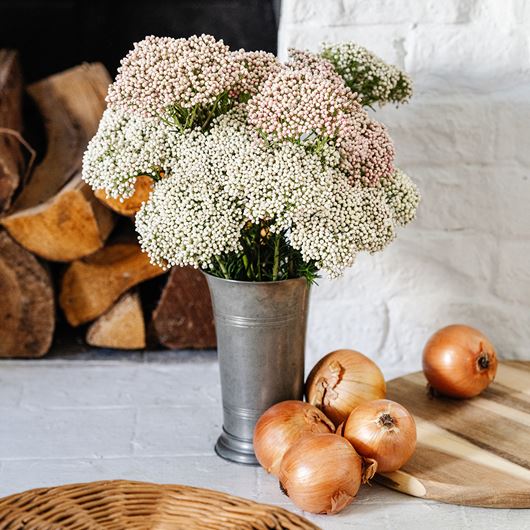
(120, 504)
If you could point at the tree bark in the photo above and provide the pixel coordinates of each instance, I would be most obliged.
(184, 315)
(27, 313)
(12, 163)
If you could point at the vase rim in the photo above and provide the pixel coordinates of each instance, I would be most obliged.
(272, 282)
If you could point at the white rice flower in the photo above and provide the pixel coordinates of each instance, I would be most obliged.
(402, 196)
(287, 149)
(126, 146)
(229, 179)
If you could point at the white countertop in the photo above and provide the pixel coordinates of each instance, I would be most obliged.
(155, 417)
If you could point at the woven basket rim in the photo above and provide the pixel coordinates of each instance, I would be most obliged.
(116, 504)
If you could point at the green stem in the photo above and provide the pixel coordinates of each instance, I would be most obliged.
(276, 262)
(212, 111)
(222, 267)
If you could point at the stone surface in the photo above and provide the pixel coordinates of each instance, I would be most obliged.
(464, 138)
(155, 418)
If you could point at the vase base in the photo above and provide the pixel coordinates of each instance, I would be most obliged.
(236, 450)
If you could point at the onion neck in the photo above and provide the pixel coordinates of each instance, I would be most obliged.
(386, 420)
(483, 361)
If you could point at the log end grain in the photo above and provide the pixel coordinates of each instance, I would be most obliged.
(90, 286)
(71, 225)
(121, 327)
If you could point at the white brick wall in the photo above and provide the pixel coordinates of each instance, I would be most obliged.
(465, 138)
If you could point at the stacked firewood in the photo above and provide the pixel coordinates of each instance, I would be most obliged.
(68, 253)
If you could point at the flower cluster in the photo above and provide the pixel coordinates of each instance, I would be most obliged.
(160, 72)
(262, 170)
(191, 217)
(126, 146)
(401, 195)
(367, 155)
(309, 103)
(298, 105)
(230, 180)
(367, 74)
(258, 66)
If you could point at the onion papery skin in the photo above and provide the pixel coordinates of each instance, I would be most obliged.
(342, 380)
(321, 473)
(459, 361)
(281, 426)
(384, 431)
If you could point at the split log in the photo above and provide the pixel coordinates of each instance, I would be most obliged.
(27, 313)
(91, 285)
(11, 157)
(70, 225)
(71, 103)
(184, 315)
(130, 206)
(121, 327)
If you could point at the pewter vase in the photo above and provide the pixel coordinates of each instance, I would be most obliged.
(260, 330)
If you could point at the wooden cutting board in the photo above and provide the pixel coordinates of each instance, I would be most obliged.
(475, 451)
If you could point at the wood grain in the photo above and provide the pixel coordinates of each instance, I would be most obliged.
(121, 327)
(90, 286)
(184, 315)
(12, 164)
(474, 451)
(71, 103)
(27, 309)
(68, 226)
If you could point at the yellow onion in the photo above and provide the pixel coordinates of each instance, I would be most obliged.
(341, 380)
(281, 426)
(322, 473)
(459, 361)
(384, 431)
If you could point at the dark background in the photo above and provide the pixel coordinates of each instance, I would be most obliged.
(53, 35)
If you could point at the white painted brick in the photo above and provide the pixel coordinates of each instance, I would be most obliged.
(325, 11)
(387, 304)
(452, 50)
(465, 128)
(204, 471)
(513, 278)
(12, 389)
(405, 11)
(351, 324)
(356, 12)
(386, 41)
(415, 318)
(24, 465)
(481, 198)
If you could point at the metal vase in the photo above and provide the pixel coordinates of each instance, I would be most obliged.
(260, 330)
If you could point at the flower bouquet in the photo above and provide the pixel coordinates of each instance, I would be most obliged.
(263, 171)
(264, 174)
